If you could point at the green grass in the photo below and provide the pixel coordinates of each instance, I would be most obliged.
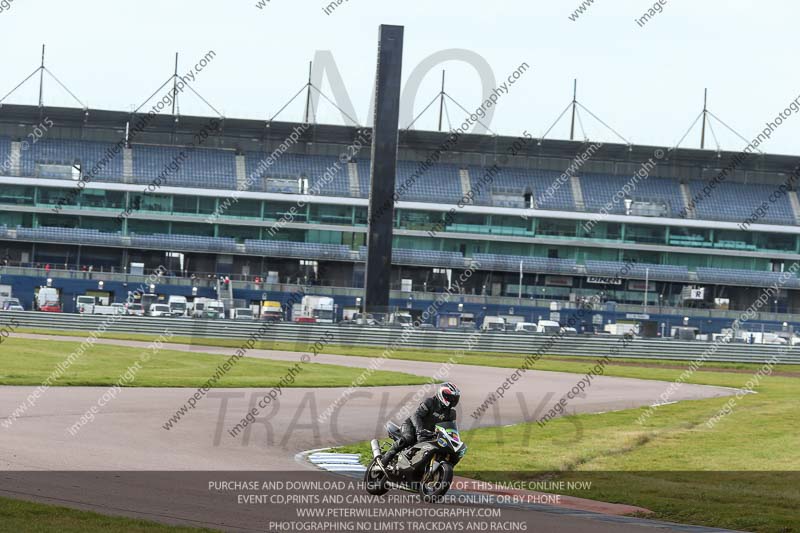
(17, 516)
(741, 474)
(493, 359)
(30, 362)
(744, 473)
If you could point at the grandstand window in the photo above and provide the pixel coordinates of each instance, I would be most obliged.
(240, 232)
(558, 228)
(188, 228)
(511, 248)
(415, 243)
(146, 227)
(184, 204)
(284, 211)
(330, 214)
(243, 208)
(13, 220)
(360, 216)
(598, 254)
(108, 225)
(641, 256)
(354, 240)
(99, 199)
(604, 230)
(206, 205)
(422, 220)
(61, 197)
(775, 241)
(285, 234)
(324, 237)
(646, 234)
(152, 202)
(509, 222)
(58, 221)
(739, 263)
(691, 261)
(16, 194)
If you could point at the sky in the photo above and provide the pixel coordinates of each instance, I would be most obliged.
(645, 81)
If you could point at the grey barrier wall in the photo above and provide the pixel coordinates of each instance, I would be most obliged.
(301, 335)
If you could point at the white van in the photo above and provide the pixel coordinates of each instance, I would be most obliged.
(85, 304)
(549, 326)
(527, 327)
(242, 313)
(177, 305)
(494, 323)
(159, 310)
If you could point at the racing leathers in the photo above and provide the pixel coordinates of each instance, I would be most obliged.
(420, 425)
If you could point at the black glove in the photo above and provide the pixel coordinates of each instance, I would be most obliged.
(424, 434)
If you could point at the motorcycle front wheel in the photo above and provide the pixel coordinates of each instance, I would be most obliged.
(375, 480)
(437, 484)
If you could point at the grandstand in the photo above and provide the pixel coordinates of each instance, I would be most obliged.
(645, 248)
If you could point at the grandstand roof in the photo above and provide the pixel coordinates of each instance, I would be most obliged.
(247, 134)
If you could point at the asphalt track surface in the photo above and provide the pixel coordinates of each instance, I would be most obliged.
(128, 434)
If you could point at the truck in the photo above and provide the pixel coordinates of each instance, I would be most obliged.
(147, 300)
(48, 300)
(208, 308)
(90, 305)
(5, 295)
(314, 309)
(363, 319)
(402, 319)
(622, 328)
(242, 313)
(177, 305)
(548, 327)
(493, 323)
(159, 310)
(271, 311)
(84, 304)
(12, 304)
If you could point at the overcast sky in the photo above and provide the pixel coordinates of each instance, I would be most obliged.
(646, 82)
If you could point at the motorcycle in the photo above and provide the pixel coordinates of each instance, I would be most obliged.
(427, 466)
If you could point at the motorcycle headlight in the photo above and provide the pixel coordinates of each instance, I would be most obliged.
(462, 452)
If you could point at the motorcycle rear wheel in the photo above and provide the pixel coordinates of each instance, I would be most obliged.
(439, 483)
(375, 480)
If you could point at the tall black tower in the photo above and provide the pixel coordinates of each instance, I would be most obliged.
(384, 166)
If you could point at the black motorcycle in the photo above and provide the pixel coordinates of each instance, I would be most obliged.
(426, 466)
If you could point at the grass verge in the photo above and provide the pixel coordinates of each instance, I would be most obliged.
(493, 359)
(17, 515)
(30, 362)
(742, 473)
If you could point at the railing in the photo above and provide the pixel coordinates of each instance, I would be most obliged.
(302, 335)
(329, 290)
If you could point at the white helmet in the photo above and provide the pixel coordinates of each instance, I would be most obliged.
(448, 394)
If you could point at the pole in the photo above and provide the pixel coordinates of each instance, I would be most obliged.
(41, 81)
(574, 107)
(175, 84)
(308, 94)
(441, 103)
(646, 287)
(519, 292)
(705, 112)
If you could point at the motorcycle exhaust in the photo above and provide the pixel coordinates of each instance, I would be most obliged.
(376, 448)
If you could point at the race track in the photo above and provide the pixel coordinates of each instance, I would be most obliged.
(129, 434)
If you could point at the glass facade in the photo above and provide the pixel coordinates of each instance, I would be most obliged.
(454, 231)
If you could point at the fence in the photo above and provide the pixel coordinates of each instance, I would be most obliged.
(427, 339)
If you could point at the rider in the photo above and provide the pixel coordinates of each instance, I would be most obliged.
(419, 426)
